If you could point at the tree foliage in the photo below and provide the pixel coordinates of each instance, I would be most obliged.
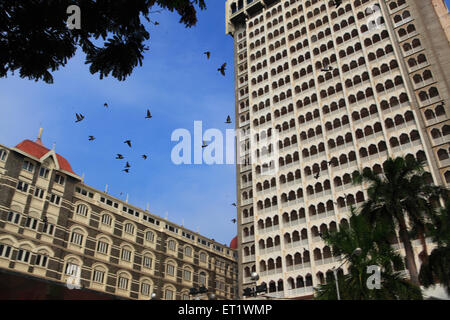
(436, 268)
(375, 251)
(403, 192)
(35, 40)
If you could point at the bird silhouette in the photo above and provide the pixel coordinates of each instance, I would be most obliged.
(233, 220)
(105, 105)
(149, 115)
(228, 120)
(234, 204)
(127, 165)
(337, 3)
(80, 117)
(222, 69)
(91, 138)
(330, 163)
(327, 68)
(208, 54)
(156, 23)
(119, 156)
(144, 156)
(204, 144)
(126, 170)
(316, 176)
(128, 142)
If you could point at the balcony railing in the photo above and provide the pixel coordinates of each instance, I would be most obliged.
(300, 291)
(294, 223)
(246, 259)
(296, 244)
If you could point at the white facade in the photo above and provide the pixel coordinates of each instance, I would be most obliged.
(318, 127)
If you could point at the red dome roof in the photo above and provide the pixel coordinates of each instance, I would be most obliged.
(234, 243)
(37, 150)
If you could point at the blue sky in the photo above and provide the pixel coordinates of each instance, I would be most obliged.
(178, 84)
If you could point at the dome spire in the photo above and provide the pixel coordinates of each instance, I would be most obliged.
(38, 140)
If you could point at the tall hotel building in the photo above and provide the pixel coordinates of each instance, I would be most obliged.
(304, 130)
(53, 227)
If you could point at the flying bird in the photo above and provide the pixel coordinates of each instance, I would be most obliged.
(234, 204)
(233, 220)
(128, 142)
(228, 120)
(126, 170)
(222, 69)
(127, 165)
(327, 68)
(337, 3)
(105, 105)
(204, 144)
(208, 54)
(149, 115)
(91, 138)
(119, 156)
(144, 156)
(317, 175)
(80, 117)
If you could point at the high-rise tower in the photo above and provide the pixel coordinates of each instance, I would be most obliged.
(322, 91)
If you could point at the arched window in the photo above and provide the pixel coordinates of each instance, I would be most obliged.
(129, 228)
(98, 274)
(146, 287)
(170, 268)
(123, 281)
(149, 236)
(82, 210)
(126, 253)
(106, 219)
(171, 245)
(77, 236)
(202, 279)
(147, 260)
(188, 251)
(103, 245)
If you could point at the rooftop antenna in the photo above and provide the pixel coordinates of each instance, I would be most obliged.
(167, 215)
(148, 207)
(106, 189)
(82, 178)
(182, 222)
(126, 199)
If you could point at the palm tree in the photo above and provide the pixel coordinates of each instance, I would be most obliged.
(402, 192)
(375, 251)
(437, 267)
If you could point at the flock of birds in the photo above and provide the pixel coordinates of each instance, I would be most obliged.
(80, 117)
